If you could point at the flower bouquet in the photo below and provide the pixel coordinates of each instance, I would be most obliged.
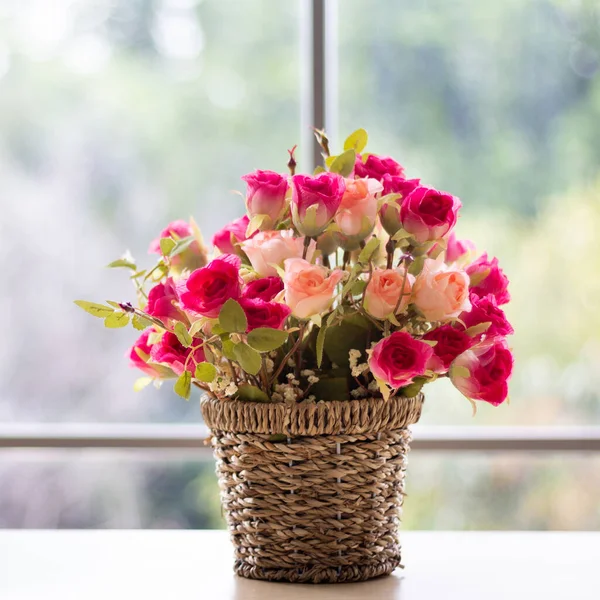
(312, 331)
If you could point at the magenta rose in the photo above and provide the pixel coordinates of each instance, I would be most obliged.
(488, 278)
(228, 238)
(450, 343)
(140, 354)
(456, 249)
(399, 358)
(315, 200)
(266, 288)
(428, 214)
(265, 195)
(162, 299)
(377, 166)
(193, 257)
(485, 309)
(264, 314)
(206, 290)
(390, 215)
(489, 366)
(170, 352)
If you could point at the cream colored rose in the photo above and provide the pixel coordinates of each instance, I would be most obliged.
(309, 289)
(268, 248)
(384, 290)
(441, 292)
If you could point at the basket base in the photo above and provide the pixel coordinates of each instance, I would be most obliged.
(318, 574)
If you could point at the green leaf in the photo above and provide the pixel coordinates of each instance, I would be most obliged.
(116, 320)
(265, 339)
(96, 310)
(205, 372)
(344, 163)
(167, 245)
(182, 245)
(477, 277)
(183, 385)
(122, 262)
(458, 371)
(197, 326)
(351, 334)
(357, 141)
(366, 254)
(141, 383)
(478, 329)
(410, 391)
(318, 169)
(417, 265)
(228, 349)
(401, 234)
(331, 388)
(321, 341)
(383, 388)
(255, 224)
(232, 317)
(358, 287)
(140, 323)
(251, 393)
(356, 269)
(185, 339)
(248, 358)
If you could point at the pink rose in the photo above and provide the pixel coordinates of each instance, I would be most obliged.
(315, 200)
(162, 299)
(207, 289)
(268, 248)
(486, 310)
(456, 249)
(390, 215)
(383, 292)
(399, 358)
(227, 240)
(309, 289)
(266, 288)
(488, 278)
(428, 214)
(264, 314)
(140, 354)
(265, 195)
(170, 352)
(441, 292)
(356, 215)
(450, 343)
(377, 166)
(193, 257)
(490, 366)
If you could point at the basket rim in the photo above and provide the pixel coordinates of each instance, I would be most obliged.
(311, 418)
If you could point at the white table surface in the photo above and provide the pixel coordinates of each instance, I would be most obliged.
(181, 565)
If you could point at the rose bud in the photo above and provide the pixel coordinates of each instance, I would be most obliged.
(450, 342)
(356, 215)
(309, 289)
(260, 313)
(228, 239)
(488, 278)
(377, 166)
(268, 249)
(399, 358)
(315, 200)
(458, 249)
(390, 215)
(486, 310)
(429, 215)
(383, 291)
(162, 300)
(266, 195)
(206, 290)
(140, 354)
(193, 257)
(266, 288)
(489, 367)
(169, 351)
(441, 292)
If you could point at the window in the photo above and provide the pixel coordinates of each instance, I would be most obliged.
(117, 116)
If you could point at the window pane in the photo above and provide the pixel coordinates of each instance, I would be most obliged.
(497, 102)
(116, 117)
(136, 489)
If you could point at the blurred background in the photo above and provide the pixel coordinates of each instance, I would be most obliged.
(117, 116)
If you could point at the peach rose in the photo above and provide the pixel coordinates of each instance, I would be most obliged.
(441, 292)
(309, 289)
(384, 290)
(357, 212)
(268, 248)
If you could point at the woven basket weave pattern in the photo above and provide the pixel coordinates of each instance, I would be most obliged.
(324, 504)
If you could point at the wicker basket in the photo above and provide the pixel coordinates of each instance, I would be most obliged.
(323, 504)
